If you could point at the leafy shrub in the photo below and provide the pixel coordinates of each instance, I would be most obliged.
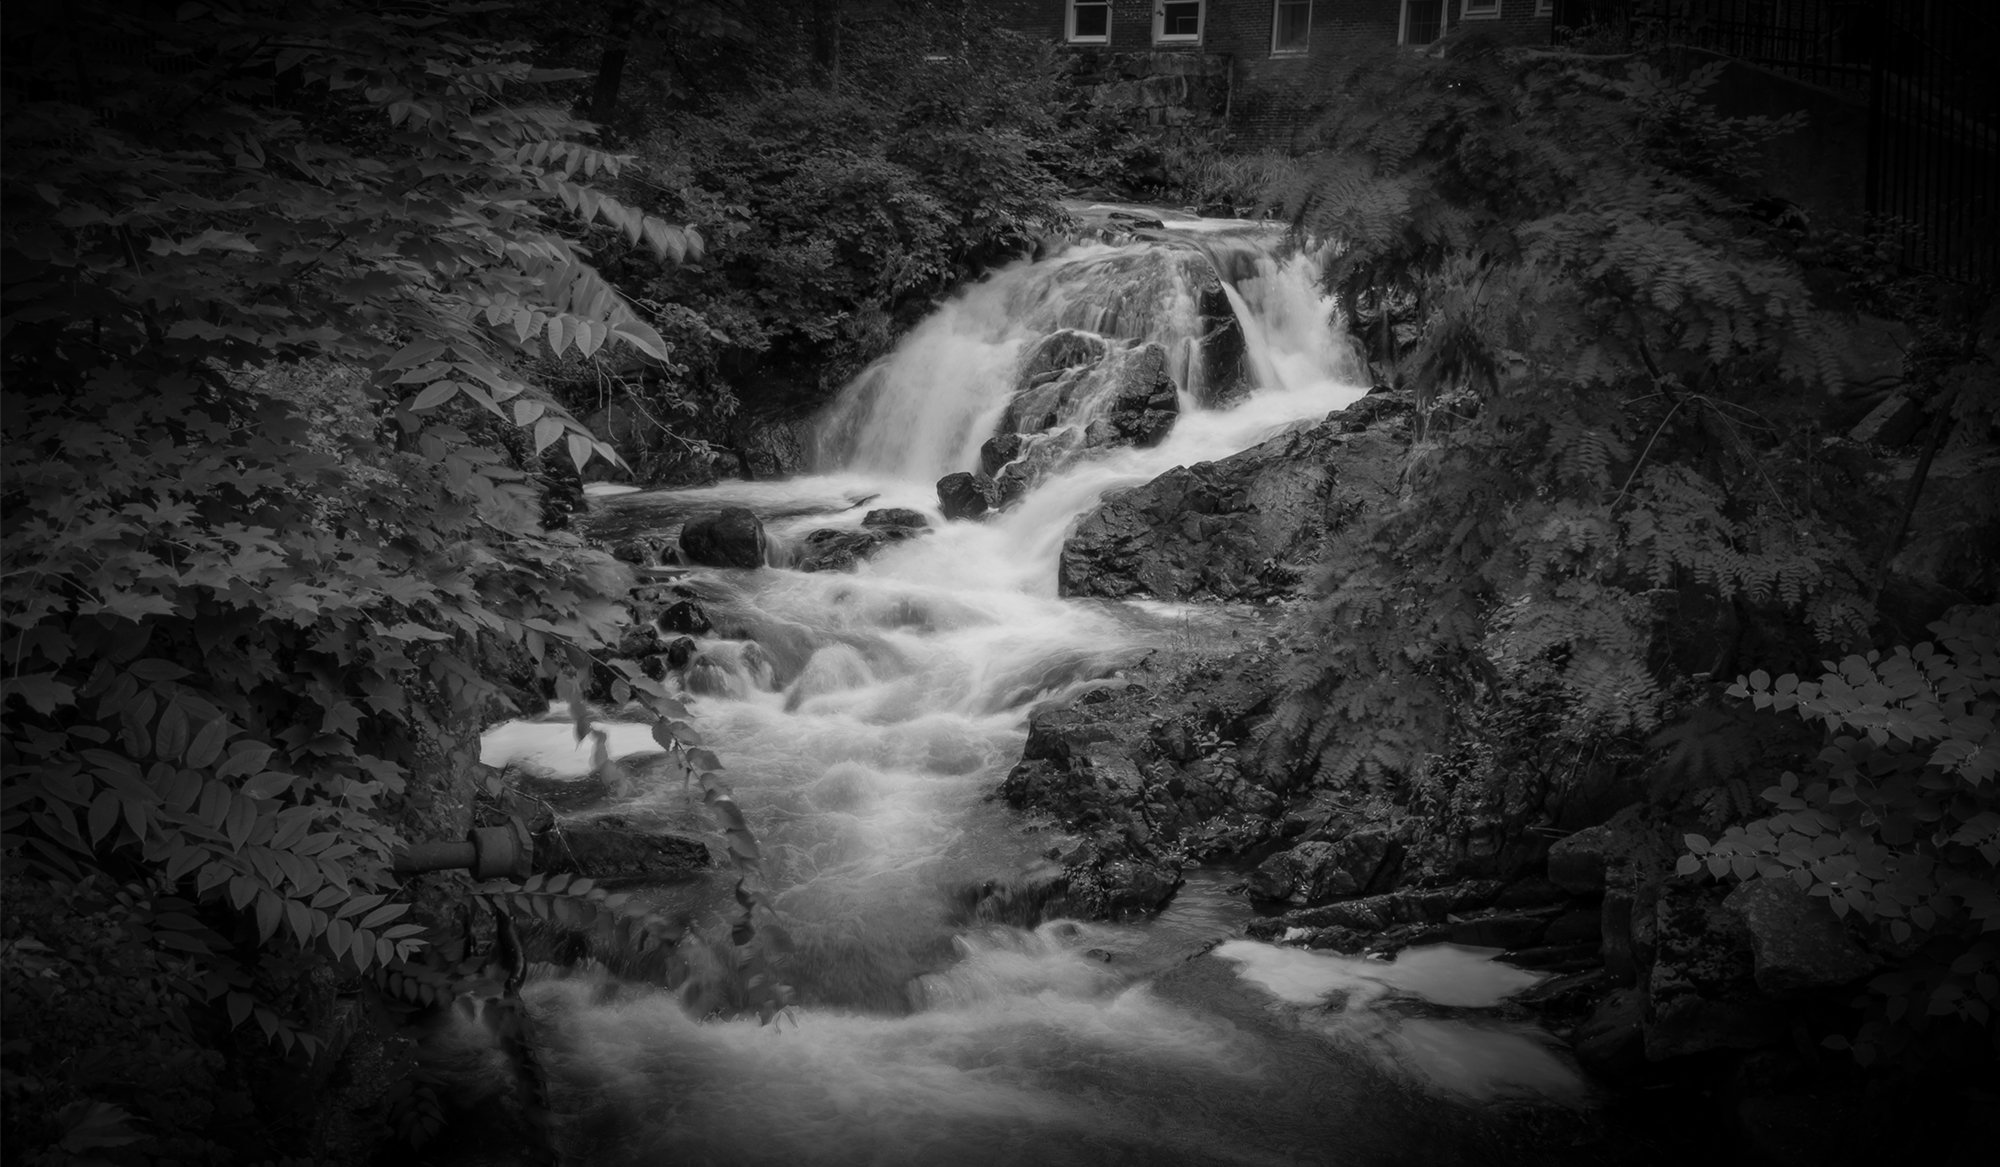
(1901, 825)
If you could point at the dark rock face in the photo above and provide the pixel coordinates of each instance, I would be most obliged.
(894, 517)
(685, 617)
(1067, 348)
(1142, 405)
(997, 451)
(1318, 870)
(961, 496)
(1244, 528)
(731, 537)
(1795, 940)
(642, 551)
(839, 549)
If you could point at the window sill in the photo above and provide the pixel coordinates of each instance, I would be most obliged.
(1290, 54)
(1479, 16)
(1181, 41)
(1088, 40)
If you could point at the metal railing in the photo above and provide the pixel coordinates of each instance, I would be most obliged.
(1928, 71)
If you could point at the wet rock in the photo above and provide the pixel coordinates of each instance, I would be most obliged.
(1124, 887)
(731, 537)
(997, 451)
(1250, 526)
(645, 552)
(1066, 348)
(960, 496)
(1134, 219)
(1318, 870)
(1795, 940)
(836, 549)
(610, 849)
(680, 652)
(1220, 366)
(1701, 993)
(655, 666)
(895, 518)
(685, 617)
(1140, 408)
(636, 641)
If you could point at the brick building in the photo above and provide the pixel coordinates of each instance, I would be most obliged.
(1260, 68)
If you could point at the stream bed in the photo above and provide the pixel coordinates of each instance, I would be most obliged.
(867, 717)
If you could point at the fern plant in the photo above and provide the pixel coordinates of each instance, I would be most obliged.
(243, 615)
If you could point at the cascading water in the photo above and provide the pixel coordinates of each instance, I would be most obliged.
(865, 717)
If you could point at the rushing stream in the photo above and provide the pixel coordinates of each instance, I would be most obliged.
(866, 717)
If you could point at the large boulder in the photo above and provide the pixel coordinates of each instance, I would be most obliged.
(1795, 940)
(731, 537)
(961, 496)
(1247, 527)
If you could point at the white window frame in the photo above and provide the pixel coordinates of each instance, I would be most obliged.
(1466, 11)
(1545, 7)
(1160, 36)
(1403, 19)
(1069, 23)
(1277, 7)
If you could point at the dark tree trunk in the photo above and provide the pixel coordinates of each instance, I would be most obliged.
(611, 66)
(826, 41)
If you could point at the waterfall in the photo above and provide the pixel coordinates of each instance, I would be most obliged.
(866, 716)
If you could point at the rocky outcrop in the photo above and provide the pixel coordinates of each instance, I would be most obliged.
(961, 496)
(768, 447)
(1247, 527)
(895, 517)
(731, 537)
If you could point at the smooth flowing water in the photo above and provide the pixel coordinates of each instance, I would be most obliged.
(866, 718)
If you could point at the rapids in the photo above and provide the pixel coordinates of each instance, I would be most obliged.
(866, 717)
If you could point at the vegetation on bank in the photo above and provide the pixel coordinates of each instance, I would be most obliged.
(1633, 498)
(302, 302)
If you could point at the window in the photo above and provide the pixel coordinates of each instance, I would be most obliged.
(1291, 27)
(1545, 7)
(1480, 10)
(1423, 22)
(1090, 21)
(1177, 20)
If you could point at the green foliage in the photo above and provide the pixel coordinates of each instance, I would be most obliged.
(1900, 825)
(264, 275)
(835, 218)
(1557, 264)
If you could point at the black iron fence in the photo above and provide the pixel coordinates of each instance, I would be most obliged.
(1928, 71)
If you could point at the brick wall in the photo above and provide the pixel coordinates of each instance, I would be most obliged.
(1271, 99)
